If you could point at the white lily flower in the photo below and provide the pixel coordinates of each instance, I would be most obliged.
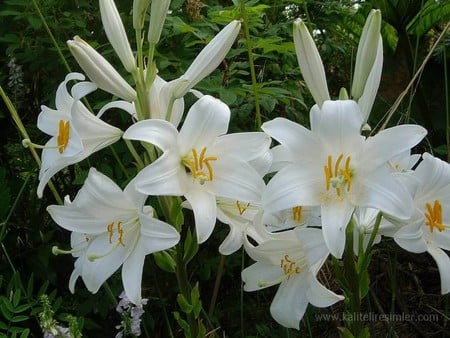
(112, 23)
(310, 63)
(76, 132)
(200, 162)
(207, 60)
(292, 259)
(100, 71)
(429, 227)
(369, 45)
(339, 169)
(298, 216)
(158, 15)
(118, 231)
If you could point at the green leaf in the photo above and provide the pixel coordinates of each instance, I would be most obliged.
(25, 333)
(16, 298)
(185, 306)
(196, 302)
(190, 246)
(165, 261)
(20, 318)
(432, 14)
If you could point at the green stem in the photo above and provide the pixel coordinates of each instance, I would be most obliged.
(447, 105)
(117, 158)
(185, 287)
(52, 37)
(216, 286)
(135, 155)
(352, 276)
(252, 64)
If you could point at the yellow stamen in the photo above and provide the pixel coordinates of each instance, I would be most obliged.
(434, 216)
(63, 135)
(197, 164)
(241, 208)
(297, 213)
(289, 266)
(110, 229)
(341, 176)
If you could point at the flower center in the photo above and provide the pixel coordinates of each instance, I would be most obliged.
(339, 175)
(434, 216)
(63, 135)
(297, 213)
(289, 266)
(110, 229)
(199, 166)
(241, 208)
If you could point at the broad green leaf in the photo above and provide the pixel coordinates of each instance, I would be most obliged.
(432, 14)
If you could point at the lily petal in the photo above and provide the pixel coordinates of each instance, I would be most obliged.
(204, 207)
(157, 132)
(443, 262)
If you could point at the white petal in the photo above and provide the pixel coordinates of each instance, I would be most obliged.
(410, 238)
(158, 132)
(261, 275)
(48, 120)
(207, 119)
(63, 100)
(433, 173)
(319, 296)
(313, 244)
(381, 191)
(132, 274)
(335, 218)
(295, 137)
(157, 235)
(244, 184)
(290, 302)
(165, 176)
(443, 262)
(97, 272)
(204, 207)
(233, 242)
(339, 125)
(379, 148)
(255, 143)
(294, 185)
(75, 274)
(123, 105)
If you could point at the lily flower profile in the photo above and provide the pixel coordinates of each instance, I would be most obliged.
(339, 168)
(200, 162)
(292, 259)
(76, 132)
(429, 227)
(117, 229)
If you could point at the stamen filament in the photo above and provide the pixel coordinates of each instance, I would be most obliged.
(434, 216)
(197, 163)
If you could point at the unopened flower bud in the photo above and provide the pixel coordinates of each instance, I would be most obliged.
(112, 23)
(310, 63)
(100, 71)
(139, 10)
(158, 13)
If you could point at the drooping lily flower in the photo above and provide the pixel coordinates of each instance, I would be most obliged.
(292, 259)
(76, 132)
(429, 227)
(339, 169)
(117, 230)
(100, 71)
(200, 162)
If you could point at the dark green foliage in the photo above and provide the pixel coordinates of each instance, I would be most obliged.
(27, 267)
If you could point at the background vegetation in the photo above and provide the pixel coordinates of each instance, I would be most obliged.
(31, 69)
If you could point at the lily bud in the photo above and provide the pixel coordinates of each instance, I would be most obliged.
(112, 23)
(208, 59)
(158, 13)
(100, 71)
(310, 63)
(139, 10)
(367, 98)
(366, 54)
